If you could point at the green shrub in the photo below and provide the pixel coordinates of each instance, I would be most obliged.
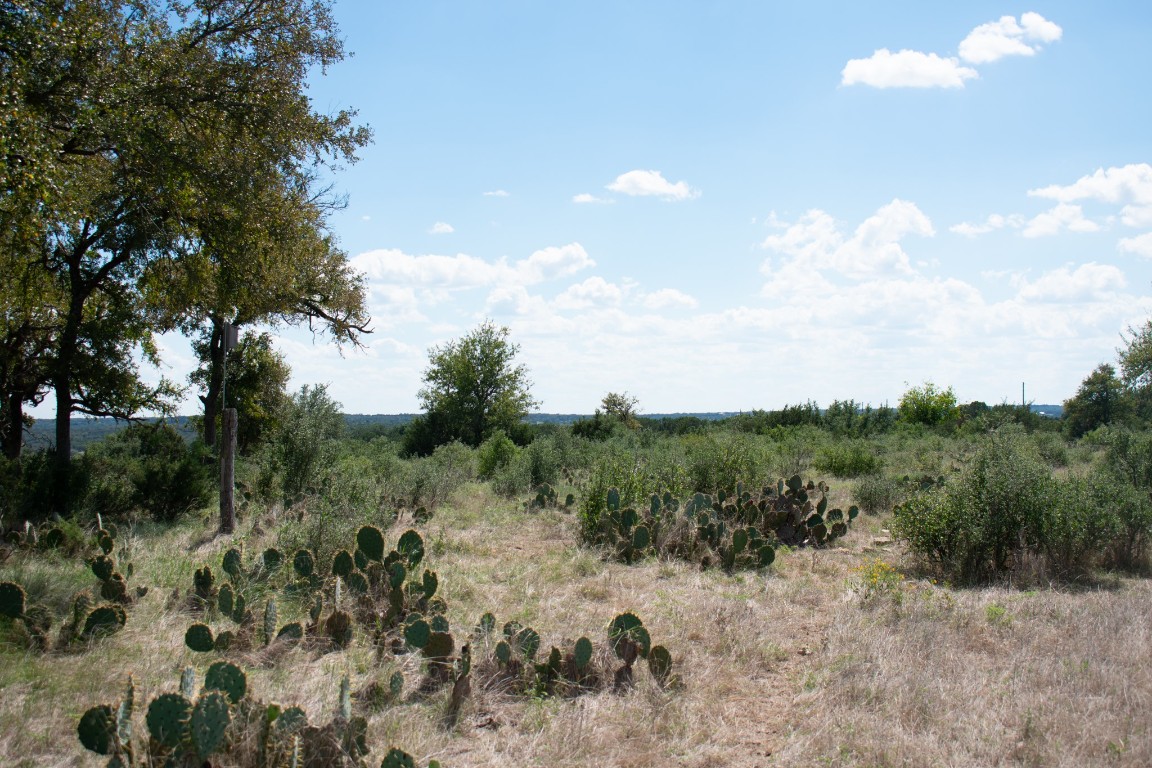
(876, 493)
(847, 458)
(149, 468)
(494, 454)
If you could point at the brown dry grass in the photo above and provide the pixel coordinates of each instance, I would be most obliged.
(784, 668)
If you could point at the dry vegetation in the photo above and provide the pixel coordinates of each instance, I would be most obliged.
(827, 659)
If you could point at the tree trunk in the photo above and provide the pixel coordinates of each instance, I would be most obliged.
(12, 430)
(228, 471)
(211, 399)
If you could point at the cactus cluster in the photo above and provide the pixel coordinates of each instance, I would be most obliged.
(732, 530)
(184, 728)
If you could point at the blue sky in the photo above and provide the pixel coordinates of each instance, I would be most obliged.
(738, 205)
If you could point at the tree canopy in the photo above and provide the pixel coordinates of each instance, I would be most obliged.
(158, 170)
(472, 389)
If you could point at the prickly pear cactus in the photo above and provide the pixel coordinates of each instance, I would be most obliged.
(209, 722)
(227, 677)
(13, 599)
(199, 638)
(168, 717)
(370, 541)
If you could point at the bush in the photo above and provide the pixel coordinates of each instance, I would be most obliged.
(149, 468)
(847, 458)
(494, 454)
(876, 493)
(305, 441)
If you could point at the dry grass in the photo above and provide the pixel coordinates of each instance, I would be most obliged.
(784, 668)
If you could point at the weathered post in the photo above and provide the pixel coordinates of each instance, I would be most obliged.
(228, 471)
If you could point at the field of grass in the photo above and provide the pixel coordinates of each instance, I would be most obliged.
(831, 657)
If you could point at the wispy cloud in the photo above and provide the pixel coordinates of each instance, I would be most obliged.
(1060, 218)
(1129, 184)
(496, 193)
(462, 271)
(441, 228)
(586, 198)
(1141, 245)
(994, 222)
(652, 184)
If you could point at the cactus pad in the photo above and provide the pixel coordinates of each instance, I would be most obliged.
(12, 600)
(304, 563)
(370, 541)
(103, 567)
(583, 653)
(356, 582)
(417, 633)
(411, 547)
(342, 564)
(167, 718)
(210, 719)
(398, 758)
(97, 730)
(103, 620)
(232, 563)
(273, 559)
(199, 638)
(226, 677)
(660, 663)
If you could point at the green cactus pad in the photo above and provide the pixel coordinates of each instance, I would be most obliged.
(641, 537)
(203, 581)
(360, 559)
(356, 582)
(396, 684)
(232, 564)
(227, 677)
(583, 653)
(103, 620)
(528, 641)
(371, 541)
(291, 720)
(430, 583)
(626, 628)
(304, 563)
(487, 624)
(838, 529)
(167, 718)
(273, 559)
(269, 620)
(115, 588)
(226, 600)
(398, 758)
(411, 547)
(396, 575)
(199, 638)
(342, 564)
(417, 633)
(439, 623)
(439, 646)
(739, 540)
(13, 600)
(628, 518)
(97, 730)
(103, 566)
(224, 641)
(503, 652)
(613, 499)
(210, 719)
(103, 539)
(660, 663)
(766, 555)
(853, 512)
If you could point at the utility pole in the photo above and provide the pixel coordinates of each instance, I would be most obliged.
(228, 442)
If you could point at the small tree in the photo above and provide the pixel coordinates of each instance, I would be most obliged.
(929, 406)
(1101, 399)
(1136, 367)
(621, 407)
(471, 390)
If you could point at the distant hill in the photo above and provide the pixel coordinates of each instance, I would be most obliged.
(86, 430)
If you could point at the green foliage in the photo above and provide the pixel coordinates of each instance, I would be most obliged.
(877, 493)
(149, 468)
(255, 384)
(472, 389)
(495, 453)
(847, 458)
(1100, 400)
(929, 406)
(305, 443)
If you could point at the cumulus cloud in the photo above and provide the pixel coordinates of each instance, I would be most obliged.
(1063, 217)
(1129, 184)
(1088, 282)
(584, 197)
(984, 44)
(462, 271)
(990, 224)
(496, 193)
(906, 69)
(593, 292)
(441, 228)
(816, 244)
(669, 298)
(1007, 37)
(652, 184)
(1141, 245)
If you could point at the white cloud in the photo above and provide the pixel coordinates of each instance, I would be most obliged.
(669, 298)
(1141, 245)
(992, 223)
(816, 245)
(496, 193)
(441, 228)
(1131, 184)
(433, 271)
(1062, 217)
(906, 69)
(584, 197)
(1088, 282)
(593, 292)
(652, 184)
(1007, 37)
